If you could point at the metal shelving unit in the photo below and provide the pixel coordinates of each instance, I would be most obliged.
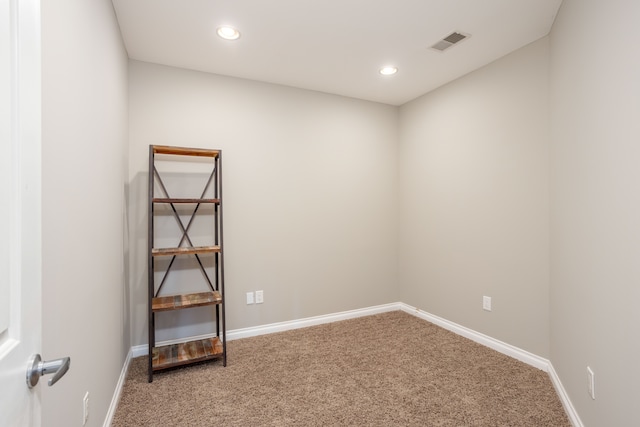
(187, 350)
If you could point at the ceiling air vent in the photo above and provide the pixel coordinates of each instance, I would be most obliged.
(449, 41)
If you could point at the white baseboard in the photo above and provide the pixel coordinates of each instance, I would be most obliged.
(116, 395)
(235, 334)
(309, 321)
(139, 350)
(502, 347)
(564, 398)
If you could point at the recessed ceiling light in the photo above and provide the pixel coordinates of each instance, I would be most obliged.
(228, 33)
(388, 71)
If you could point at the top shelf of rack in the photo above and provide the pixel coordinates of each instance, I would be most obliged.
(184, 151)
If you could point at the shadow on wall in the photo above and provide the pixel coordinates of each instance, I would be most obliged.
(136, 255)
(126, 294)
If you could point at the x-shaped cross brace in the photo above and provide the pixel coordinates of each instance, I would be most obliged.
(185, 230)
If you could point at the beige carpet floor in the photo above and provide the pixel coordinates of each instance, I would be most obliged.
(390, 369)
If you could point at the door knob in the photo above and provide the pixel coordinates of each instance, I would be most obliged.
(36, 368)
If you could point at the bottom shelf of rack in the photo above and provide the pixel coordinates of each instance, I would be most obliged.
(172, 355)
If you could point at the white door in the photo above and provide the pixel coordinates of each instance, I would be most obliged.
(20, 247)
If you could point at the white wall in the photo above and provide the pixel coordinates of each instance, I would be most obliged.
(474, 193)
(595, 210)
(84, 159)
(309, 186)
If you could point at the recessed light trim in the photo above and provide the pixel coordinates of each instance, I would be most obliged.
(388, 70)
(228, 33)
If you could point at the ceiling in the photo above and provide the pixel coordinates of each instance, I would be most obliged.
(333, 46)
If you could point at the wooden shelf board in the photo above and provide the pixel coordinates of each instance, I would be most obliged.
(184, 151)
(184, 250)
(165, 200)
(177, 302)
(173, 355)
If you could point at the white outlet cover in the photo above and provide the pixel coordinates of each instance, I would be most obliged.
(591, 383)
(486, 303)
(259, 297)
(249, 297)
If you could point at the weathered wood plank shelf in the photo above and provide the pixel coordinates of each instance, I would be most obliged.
(177, 302)
(183, 151)
(166, 200)
(170, 356)
(187, 250)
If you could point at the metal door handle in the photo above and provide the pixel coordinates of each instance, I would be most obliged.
(36, 368)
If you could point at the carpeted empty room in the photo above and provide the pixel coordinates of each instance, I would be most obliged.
(381, 370)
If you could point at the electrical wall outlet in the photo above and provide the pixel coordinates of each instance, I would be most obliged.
(486, 303)
(249, 297)
(259, 297)
(85, 408)
(591, 383)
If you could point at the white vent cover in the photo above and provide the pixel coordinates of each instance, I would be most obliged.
(449, 41)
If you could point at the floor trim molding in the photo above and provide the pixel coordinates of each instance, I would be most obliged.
(501, 347)
(309, 321)
(504, 348)
(564, 398)
(235, 334)
(118, 391)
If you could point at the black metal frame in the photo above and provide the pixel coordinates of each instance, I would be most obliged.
(151, 284)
